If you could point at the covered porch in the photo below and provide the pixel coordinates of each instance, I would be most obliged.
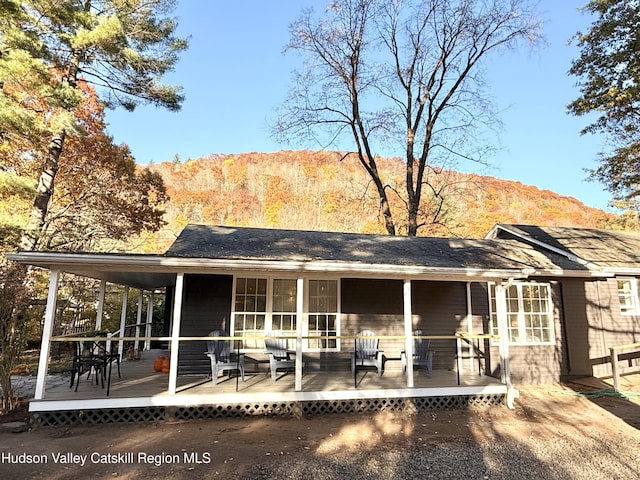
(321, 305)
(143, 392)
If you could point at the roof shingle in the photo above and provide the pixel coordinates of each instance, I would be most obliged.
(241, 243)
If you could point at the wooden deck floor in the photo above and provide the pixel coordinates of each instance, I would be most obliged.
(140, 380)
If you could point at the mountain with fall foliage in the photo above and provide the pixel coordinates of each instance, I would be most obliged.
(321, 190)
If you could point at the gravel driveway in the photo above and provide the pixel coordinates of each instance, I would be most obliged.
(554, 433)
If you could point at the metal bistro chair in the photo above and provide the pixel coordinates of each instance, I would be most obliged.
(85, 361)
(219, 351)
(108, 357)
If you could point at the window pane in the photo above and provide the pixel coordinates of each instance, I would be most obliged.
(261, 303)
(627, 296)
(284, 295)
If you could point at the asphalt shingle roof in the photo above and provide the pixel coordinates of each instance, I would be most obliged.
(240, 243)
(605, 248)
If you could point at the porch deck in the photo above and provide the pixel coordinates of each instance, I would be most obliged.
(141, 386)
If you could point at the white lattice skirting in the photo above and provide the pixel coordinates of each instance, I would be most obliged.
(296, 409)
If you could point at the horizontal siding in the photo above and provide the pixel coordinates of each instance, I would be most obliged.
(439, 308)
(594, 324)
(377, 305)
(538, 364)
(614, 329)
(206, 307)
(579, 295)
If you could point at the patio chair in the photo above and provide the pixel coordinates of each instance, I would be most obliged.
(422, 355)
(101, 352)
(366, 353)
(85, 361)
(279, 355)
(219, 351)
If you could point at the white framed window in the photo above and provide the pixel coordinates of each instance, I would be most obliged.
(250, 310)
(283, 308)
(323, 317)
(265, 304)
(628, 296)
(529, 312)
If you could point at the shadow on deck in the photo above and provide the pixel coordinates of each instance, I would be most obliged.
(141, 394)
(140, 380)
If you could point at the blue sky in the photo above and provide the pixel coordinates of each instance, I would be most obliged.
(234, 75)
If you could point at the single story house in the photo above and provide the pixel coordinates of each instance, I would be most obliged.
(526, 304)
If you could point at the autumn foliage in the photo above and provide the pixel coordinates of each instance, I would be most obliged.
(315, 190)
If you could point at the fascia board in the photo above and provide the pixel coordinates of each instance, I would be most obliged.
(612, 271)
(93, 262)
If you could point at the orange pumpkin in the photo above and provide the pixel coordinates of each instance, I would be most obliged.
(165, 364)
(157, 363)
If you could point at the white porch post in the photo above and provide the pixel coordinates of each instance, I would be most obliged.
(299, 329)
(138, 319)
(408, 331)
(175, 333)
(123, 320)
(100, 307)
(147, 331)
(505, 371)
(47, 332)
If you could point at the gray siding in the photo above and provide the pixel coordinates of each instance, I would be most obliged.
(587, 321)
(610, 328)
(593, 324)
(439, 308)
(206, 307)
(538, 364)
(369, 304)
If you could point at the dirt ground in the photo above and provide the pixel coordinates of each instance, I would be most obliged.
(551, 426)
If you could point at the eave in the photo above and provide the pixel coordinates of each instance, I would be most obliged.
(152, 271)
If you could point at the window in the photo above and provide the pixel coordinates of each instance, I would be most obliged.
(250, 310)
(529, 312)
(628, 296)
(283, 316)
(265, 304)
(323, 314)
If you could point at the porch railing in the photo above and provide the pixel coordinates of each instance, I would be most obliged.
(615, 358)
(346, 342)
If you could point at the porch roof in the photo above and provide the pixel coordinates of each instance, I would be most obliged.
(208, 249)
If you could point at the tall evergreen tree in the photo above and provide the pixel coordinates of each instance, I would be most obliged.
(122, 48)
(608, 69)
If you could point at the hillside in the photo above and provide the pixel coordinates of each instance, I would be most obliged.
(318, 191)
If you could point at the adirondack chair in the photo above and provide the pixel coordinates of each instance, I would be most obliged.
(422, 355)
(366, 353)
(279, 355)
(219, 351)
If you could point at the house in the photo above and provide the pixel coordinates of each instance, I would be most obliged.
(524, 305)
(592, 313)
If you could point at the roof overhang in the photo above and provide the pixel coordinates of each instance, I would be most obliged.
(153, 271)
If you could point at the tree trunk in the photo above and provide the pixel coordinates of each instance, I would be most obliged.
(13, 299)
(44, 192)
(386, 213)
